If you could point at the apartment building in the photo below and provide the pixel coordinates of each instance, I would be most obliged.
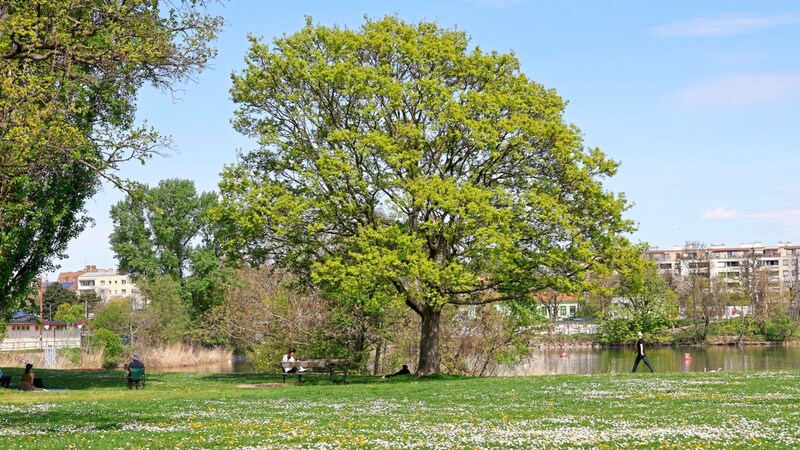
(720, 262)
(110, 285)
(72, 277)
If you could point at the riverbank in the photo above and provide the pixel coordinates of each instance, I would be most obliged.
(159, 358)
(190, 410)
(590, 341)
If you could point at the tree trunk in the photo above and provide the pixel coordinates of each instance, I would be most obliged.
(429, 357)
(376, 366)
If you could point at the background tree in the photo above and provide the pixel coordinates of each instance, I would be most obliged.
(69, 313)
(648, 304)
(394, 156)
(90, 300)
(164, 230)
(116, 316)
(169, 319)
(53, 296)
(754, 285)
(71, 73)
(265, 314)
(700, 296)
(479, 339)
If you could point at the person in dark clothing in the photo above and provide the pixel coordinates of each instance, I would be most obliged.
(134, 364)
(5, 380)
(403, 371)
(640, 354)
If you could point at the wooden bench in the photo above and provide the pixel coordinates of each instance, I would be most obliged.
(316, 367)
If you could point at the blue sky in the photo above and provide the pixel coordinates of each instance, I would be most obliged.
(699, 101)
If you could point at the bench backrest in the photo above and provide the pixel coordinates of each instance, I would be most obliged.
(309, 363)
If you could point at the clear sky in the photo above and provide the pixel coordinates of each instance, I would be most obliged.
(699, 101)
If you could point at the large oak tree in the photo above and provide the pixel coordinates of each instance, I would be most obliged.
(397, 163)
(69, 74)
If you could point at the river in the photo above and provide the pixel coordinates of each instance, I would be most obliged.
(587, 360)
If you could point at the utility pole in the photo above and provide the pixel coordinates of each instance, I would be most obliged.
(41, 313)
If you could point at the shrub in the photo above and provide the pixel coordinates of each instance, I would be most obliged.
(111, 344)
(778, 329)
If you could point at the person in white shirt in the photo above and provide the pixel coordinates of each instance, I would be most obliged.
(289, 357)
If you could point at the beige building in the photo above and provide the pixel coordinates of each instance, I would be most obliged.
(110, 285)
(720, 262)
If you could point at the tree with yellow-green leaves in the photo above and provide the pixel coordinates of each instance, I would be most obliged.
(69, 74)
(400, 164)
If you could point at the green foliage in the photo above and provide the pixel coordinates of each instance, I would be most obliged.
(111, 344)
(54, 296)
(165, 230)
(115, 316)
(650, 306)
(779, 328)
(266, 359)
(170, 318)
(735, 326)
(425, 173)
(69, 313)
(71, 73)
(90, 299)
(479, 339)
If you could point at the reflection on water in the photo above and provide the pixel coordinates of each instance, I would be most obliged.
(667, 359)
(585, 360)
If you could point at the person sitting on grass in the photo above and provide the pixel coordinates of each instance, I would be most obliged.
(403, 371)
(26, 383)
(289, 357)
(5, 380)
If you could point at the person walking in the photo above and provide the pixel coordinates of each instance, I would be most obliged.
(640, 354)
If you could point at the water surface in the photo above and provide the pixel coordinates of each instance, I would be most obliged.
(580, 360)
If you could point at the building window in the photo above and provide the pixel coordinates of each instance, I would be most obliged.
(572, 310)
(123, 281)
(123, 291)
(102, 282)
(562, 310)
(785, 273)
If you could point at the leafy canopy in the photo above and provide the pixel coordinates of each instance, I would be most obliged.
(399, 164)
(71, 71)
(165, 230)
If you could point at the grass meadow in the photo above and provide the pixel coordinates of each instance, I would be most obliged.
(250, 411)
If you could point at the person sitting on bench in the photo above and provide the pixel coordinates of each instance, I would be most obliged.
(289, 357)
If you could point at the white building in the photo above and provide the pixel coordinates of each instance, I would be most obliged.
(110, 286)
(780, 263)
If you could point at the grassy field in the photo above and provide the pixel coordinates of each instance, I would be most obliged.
(196, 410)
